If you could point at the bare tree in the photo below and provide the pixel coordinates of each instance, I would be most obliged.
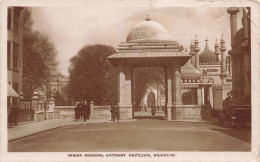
(39, 57)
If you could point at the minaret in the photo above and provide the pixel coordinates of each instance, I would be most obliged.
(233, 22)
(196, 49)
(223, 60)
(217, 50)
(192, 53)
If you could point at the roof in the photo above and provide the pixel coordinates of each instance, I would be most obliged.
(148, 54)
(141, 51)
(207, 57)
(148, 29)
(189, 73)
(11, 92)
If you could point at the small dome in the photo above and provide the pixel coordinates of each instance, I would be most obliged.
(207, 57)
(148, 30)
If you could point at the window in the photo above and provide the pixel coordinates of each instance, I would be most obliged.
(9, 19)
(15, 55)
(8, 55)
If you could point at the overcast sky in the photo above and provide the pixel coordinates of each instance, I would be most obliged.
(70, 28)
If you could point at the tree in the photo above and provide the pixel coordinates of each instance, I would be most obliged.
(92, 76)
(39, 57)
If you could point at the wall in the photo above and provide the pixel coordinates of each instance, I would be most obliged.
(186, 112)
(99, 112)
(219, 94)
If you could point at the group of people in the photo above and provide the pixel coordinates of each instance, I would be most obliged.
(114, 109)
(82, 111)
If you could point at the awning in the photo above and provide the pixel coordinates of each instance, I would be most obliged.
(11, 92)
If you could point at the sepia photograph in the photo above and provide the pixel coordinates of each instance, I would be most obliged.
(128, 81)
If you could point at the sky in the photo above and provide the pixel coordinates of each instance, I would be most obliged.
(71, 28)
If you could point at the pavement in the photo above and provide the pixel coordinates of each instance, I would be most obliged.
(142, 135)
(31, 128)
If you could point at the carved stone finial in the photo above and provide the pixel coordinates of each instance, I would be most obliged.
(147, 18)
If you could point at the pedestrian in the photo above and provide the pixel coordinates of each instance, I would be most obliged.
(117, 115)
(81, 111)
(112, 111)
(14, 115)
(84, 112)
(77, 111)
(88, 111)
(153, 110)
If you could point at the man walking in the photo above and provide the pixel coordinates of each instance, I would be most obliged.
(112, 111)
(117, 113)
(87, 111)
(84, 112)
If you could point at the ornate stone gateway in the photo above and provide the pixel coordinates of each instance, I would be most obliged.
(148, 45)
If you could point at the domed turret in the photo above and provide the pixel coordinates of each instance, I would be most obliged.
(207, 57)
(148, 30)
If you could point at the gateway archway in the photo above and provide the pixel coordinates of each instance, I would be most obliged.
(148, 45)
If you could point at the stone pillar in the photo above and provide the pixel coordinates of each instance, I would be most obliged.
(34, 104)
(34, 101)
(51, 104)
(158, 96)
(176, 84)
(128, 91)
(91, 109)
(211, 95)
(199, 96)
(168, 90)
(121, 84)
(124, 88)
(202, 96)
(233, 22)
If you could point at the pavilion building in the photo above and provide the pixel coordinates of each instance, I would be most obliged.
(187, 88)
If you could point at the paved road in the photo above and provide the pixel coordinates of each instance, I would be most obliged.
(140, 135)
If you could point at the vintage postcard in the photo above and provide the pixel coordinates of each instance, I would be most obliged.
(146, 80)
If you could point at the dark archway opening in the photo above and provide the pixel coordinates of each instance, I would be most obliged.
(148, 89)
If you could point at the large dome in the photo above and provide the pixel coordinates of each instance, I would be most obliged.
(148, 30)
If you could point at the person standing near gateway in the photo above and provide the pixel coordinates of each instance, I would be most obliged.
(84, 112)
(81, 107)
(117, 115)
(112, 111)
(153, 110)
(77, 111)
(88, 110)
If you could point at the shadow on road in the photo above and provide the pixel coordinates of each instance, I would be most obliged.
(243, 134)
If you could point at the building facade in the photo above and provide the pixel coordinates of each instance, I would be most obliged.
(15, 52)
(240, 55)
